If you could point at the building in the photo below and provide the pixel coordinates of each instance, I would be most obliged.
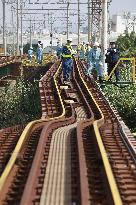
(125, 22)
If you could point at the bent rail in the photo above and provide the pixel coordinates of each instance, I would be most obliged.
(97, 124)
(25, 134)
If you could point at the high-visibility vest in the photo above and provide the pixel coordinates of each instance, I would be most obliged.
(67, 51)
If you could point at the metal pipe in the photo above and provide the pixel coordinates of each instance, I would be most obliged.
(44, 22)
(67, 19)
(13, 29)
(17, 51)
(92, 10)
(4, 43)
(30, 33)
(5, 46)
(78, 22)
(21, 7)
(51, 32)
(104, 32)
(89, 22)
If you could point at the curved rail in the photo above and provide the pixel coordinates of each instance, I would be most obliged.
(117, 148)
(24, 136)
(97, 124)
(94, 126)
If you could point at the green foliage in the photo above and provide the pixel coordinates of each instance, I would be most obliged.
(124, 100)
(19, 103)
(127, 45)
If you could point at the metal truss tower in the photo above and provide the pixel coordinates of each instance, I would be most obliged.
(98, 28)
(95, 16)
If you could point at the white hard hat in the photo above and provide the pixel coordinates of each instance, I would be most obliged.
(100, 63)
(96, 44)
(31, 48)
(69, 39)
(87, 43)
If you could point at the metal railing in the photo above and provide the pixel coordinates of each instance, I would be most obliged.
(127, 70)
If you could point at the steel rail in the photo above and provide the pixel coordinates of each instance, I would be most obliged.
(24, 136)
(97, 124)
(28, 191)
(84, 185)
(124, 137)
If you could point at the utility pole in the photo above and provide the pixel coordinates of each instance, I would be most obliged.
(44, 22)
(67, 19)
(104, 32)
(4, 38)
(13, 30)
(127, 16)
(48, 17)
(51, 32)
(78, 22)
(17, 51)
(89, 21)
(13, 46)
(30, 32)
(133, 23)
(34, 23)
(21, 7)
(100, 31)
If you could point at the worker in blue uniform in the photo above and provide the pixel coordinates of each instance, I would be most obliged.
(58, 50)
(82, 51)
(67, 62)
(30, 54)
(95, 61)
(112, 57)
(88, 48)
(39, 53)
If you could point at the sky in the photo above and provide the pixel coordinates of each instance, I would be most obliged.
(118, 6)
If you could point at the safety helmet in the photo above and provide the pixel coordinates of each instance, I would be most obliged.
(100, 63)
(112, 43)
(69, 39)
(96, 44)
(31, 48)
(87, 43)
(39, 44)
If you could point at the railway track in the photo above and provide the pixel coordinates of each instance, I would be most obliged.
(75, 154)
(49, 98)
(8, 140)
(119, 145)
(7, 60)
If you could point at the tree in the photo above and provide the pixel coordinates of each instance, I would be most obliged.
(124, 100)
(20, 103)
(127, 44)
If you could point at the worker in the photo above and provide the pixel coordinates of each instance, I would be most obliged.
(67, 62)
(95, 61)
(39, 53)
(30, 54)
(88, 47)
(79, 48)
(82, 51)
(112, 57)
(58, 50)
